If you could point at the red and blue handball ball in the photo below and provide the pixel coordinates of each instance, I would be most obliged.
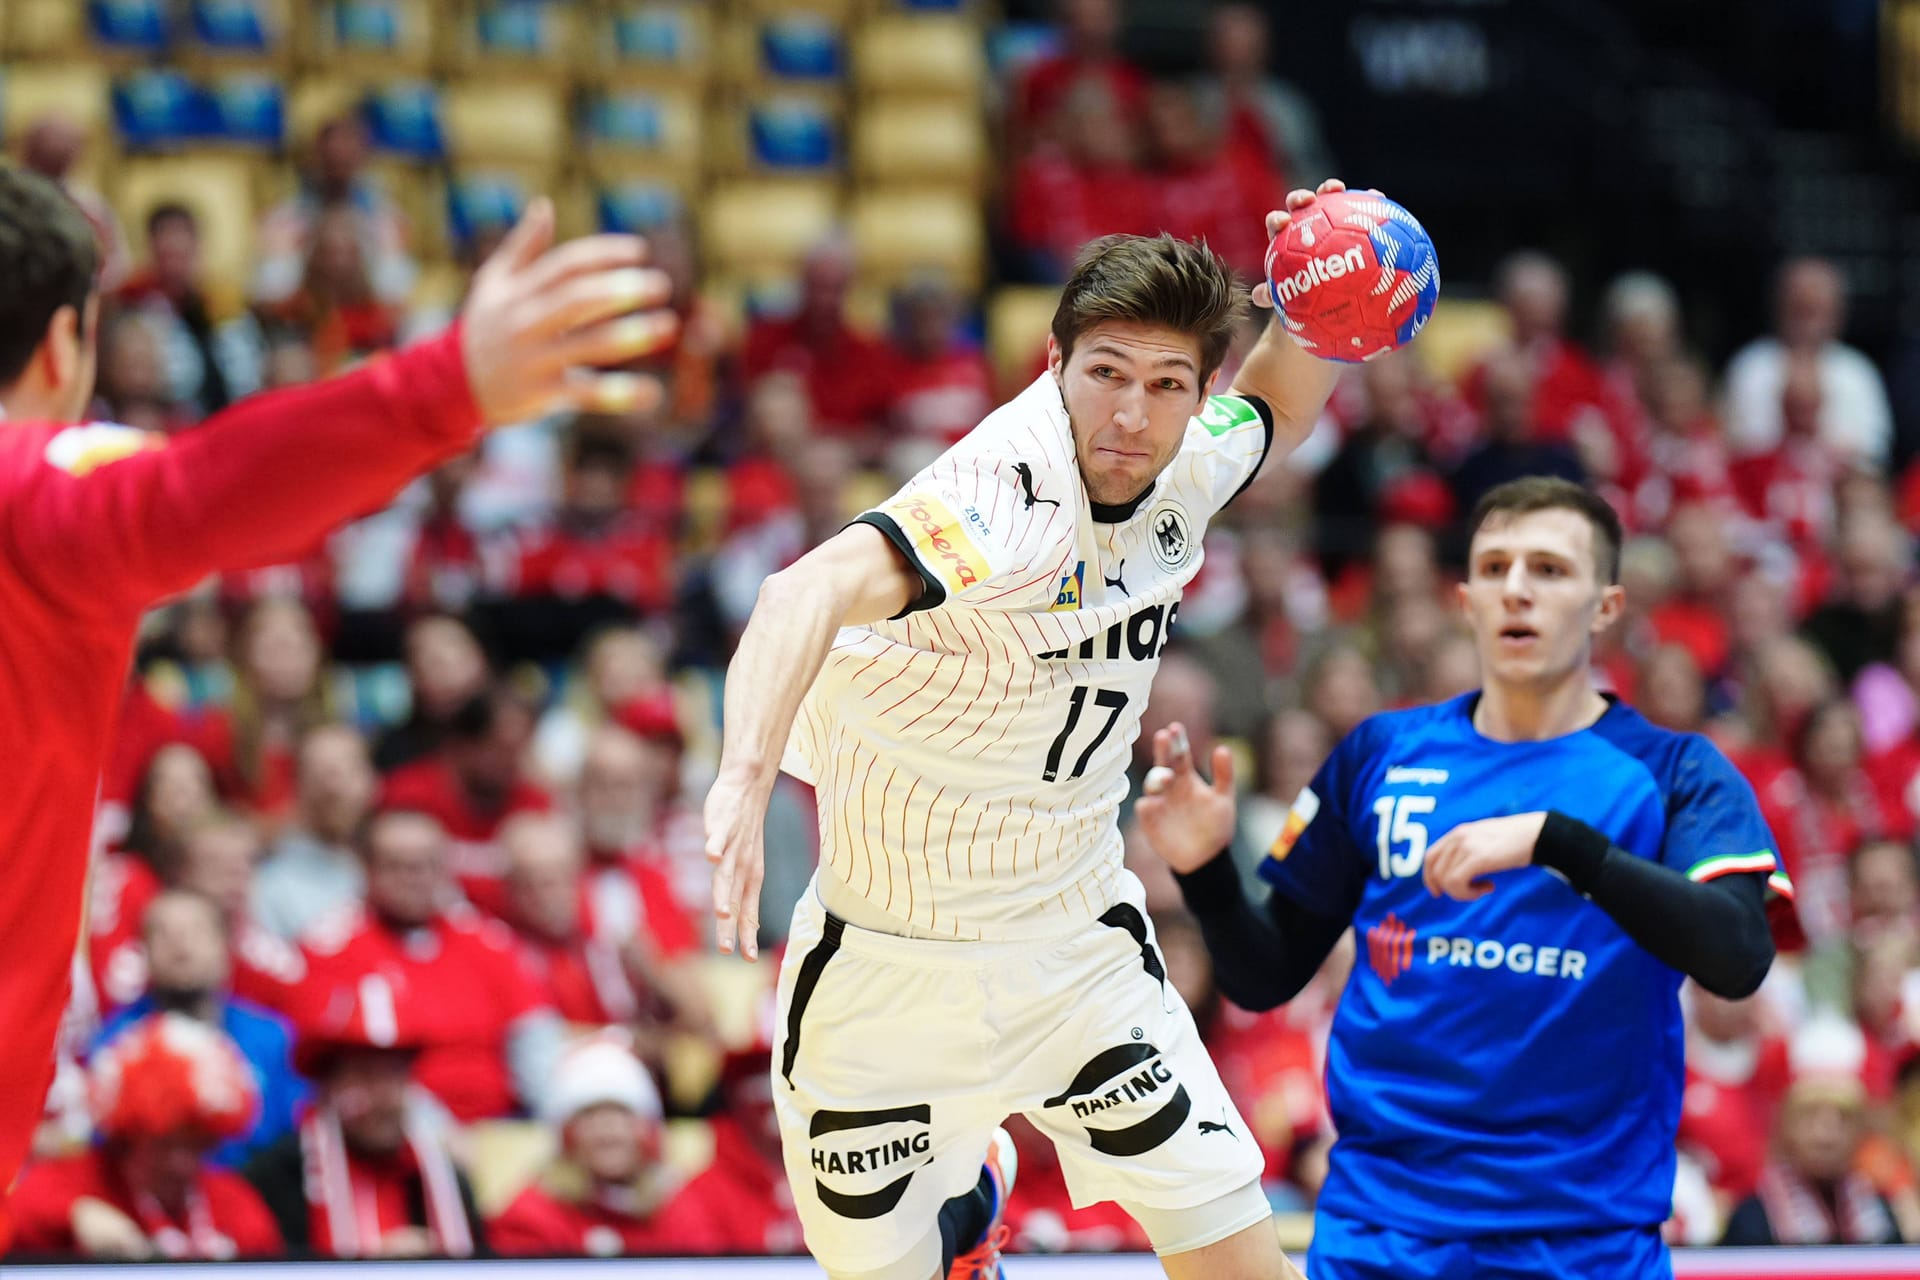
(1354, 276)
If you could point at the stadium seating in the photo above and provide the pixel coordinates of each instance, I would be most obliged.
(902, 233)
(218, 187)
(1018, 320)
(928, 56)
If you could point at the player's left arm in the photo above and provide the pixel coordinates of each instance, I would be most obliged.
(1700, 909)
(1294, 384)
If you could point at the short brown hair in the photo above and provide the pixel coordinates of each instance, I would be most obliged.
(1550, 493)
(48, 255)
(1154, 280)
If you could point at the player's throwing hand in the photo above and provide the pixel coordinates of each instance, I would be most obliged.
(1187, 819)
(736, 846)
(539, 319)
(1277, 221)
(1459, 862)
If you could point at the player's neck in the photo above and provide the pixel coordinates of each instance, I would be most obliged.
(1527, 713)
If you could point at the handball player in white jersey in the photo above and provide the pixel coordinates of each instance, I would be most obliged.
(960, 674)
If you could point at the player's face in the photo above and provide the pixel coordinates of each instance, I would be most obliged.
(1534, 598)
(1130, 390)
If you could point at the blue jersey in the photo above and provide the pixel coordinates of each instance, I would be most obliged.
(1511, 1064)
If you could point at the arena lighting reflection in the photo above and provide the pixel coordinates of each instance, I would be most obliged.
(1689, 1264)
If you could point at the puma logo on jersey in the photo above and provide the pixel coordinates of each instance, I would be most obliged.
(1140, 637)
(1117, 580)
(1208, 1126)
(1025, 473)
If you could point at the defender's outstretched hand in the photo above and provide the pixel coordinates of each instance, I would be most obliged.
(539, 319)
(1187, 819)
(736, 815)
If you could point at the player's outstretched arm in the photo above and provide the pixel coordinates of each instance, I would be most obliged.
(117, 519)
(1261, 959)
(1294, 383)
(855, 576)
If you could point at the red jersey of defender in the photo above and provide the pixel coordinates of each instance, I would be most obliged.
(99, 522)
(541, 1224)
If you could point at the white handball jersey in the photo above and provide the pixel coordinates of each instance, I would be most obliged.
(970, 754)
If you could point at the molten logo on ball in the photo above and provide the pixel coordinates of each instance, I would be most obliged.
(1354, 276)
(1319, 271)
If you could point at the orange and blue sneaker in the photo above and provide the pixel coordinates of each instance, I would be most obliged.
(982, 1262)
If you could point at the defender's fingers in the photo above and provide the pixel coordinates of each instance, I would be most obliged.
(615, 341)
(529, 238)
(1157, 780)
(585, 390)
(1222, 771)
(587, 254)
(591, 297)
(750, 914)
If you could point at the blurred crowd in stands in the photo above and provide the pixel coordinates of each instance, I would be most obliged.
(398, 935)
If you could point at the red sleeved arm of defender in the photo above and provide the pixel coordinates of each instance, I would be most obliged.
(116, 520)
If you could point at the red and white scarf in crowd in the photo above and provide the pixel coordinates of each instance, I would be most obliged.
(343, 1194)
(1798, 1214)
(201, 1239)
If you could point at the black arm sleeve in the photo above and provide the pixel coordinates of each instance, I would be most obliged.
(1716, 933)
(1260, 959)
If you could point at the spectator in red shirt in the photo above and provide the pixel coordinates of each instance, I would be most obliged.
(218, 863)
(1694, 615)
(1267, 120)
(444, 566)
(365, 1176)
(487, 1035)
(1670, 690)
(164, 1094)
(1688, 458)
(1884, 889)
(1736, 1076)
(607, 1194)
(618, 665)
(472, 785)
(446, 669)
(335, 305)
(846, 371)
(1090, 39)
(1571, 402)
(645, 847)
(1384, 454)
(280, 691)
(741, 1202)
(1202, 188)
(1088, 184)
(584, 977)
(596, 546)
(132, 388)
(943, 386)
(1821, 809)
(1789, 487)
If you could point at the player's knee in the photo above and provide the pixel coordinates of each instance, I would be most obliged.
(1178, 1231)
(918, 1263)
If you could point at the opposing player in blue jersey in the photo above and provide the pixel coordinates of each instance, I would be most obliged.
(1532, 869)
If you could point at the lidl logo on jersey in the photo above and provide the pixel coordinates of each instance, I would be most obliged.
(941, 540)
(1224, 413)
(1306, 807)
(1071, 587)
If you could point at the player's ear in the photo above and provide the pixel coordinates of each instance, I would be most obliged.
(60, 349)
(1460, 595)
(1613, 601)
(1056, 358)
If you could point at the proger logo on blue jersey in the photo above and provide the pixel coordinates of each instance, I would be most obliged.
(1393, 948)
